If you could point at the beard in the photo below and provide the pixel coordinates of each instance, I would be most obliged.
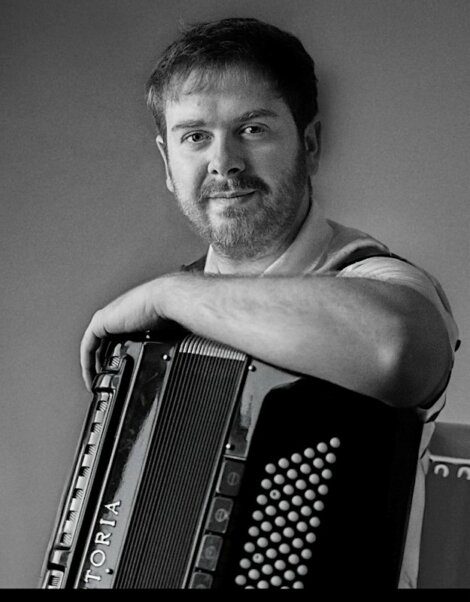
(252, 229)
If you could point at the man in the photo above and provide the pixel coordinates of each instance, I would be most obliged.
(238, 130)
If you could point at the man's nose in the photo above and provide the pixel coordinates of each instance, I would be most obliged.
(226, 158)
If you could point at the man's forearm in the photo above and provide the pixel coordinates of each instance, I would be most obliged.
(379, 339)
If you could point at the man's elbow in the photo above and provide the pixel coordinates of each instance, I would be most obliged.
(415, 362)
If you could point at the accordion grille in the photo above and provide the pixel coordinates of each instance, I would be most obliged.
(178, 473)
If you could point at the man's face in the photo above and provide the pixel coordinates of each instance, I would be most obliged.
(236, 164)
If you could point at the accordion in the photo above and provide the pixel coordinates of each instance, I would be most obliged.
(201, 467)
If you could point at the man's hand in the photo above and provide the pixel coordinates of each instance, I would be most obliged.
(136, 310)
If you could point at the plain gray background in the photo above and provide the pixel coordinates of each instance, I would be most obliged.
(85, 213)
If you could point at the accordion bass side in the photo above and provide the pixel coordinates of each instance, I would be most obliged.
(200, 467)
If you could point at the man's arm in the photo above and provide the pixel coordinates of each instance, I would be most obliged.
(380, 339)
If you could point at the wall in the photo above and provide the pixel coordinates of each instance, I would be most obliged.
(85, 213)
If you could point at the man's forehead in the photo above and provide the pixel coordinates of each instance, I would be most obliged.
(241, 81)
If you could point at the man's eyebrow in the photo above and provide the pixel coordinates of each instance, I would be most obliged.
(257, 113)
(191, 123)
(198, 123)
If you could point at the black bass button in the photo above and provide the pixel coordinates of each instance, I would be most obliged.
(209, 552)
(201, 581)
(230, 478)
(219, 514)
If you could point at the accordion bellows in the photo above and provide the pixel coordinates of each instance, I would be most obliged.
(200, 467)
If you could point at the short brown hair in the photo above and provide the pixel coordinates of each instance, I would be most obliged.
(216, 45)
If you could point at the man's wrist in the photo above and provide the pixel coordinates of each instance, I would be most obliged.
(164, 294)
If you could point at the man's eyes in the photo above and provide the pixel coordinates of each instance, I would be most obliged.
(195, 137)
(254, 130)
(250, 131)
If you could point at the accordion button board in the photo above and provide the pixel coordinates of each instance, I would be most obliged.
(199, 467)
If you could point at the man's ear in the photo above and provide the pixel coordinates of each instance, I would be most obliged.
(162, 148)
(312, 142)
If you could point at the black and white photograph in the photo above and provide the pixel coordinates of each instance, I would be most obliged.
(235, 255)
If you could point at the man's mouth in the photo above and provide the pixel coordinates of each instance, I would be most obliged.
(236, 194)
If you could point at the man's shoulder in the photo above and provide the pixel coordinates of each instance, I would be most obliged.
(349, 245)
(354, 253)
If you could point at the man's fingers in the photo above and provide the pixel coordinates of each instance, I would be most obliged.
(90, 344)
(100, 355)
(87, 357)
(133, 311)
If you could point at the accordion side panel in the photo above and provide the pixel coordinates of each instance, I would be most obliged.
(115, 505)
(94, 450)
(326, 493)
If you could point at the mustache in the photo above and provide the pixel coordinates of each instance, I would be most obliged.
(238, 183)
